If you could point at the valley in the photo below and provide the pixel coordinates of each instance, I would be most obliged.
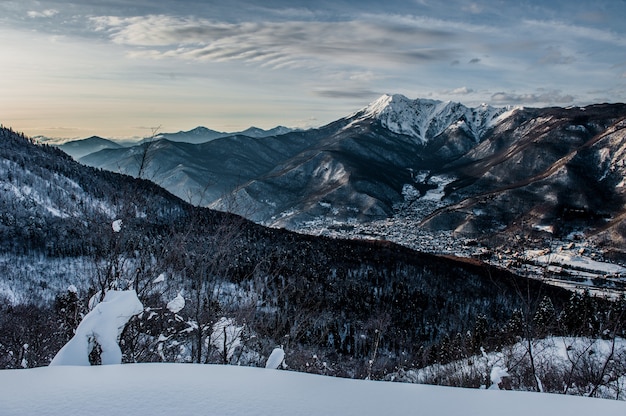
(573, 263)
(425, 174)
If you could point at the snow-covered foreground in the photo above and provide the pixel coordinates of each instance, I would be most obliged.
(575, 365)
(187, 389)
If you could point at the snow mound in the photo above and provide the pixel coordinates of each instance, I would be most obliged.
(275, 359)
(117, 226)
(188, 389)
(160, 278)
(177, 304)
(496, 376)
(103, 324)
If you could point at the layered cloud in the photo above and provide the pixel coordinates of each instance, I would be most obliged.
(44, 13)
(541, 97)
(370, 43)
(366, 42)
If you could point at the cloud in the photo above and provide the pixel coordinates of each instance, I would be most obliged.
(461, 91)
(563, 31)
(363, 76)
(554, 56)
(473, 8)
(347, 93)
(474, 61)
(547, 97)
(593, 16)
(381, 43)
(45, 13)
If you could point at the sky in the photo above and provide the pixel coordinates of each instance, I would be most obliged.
(122, 68)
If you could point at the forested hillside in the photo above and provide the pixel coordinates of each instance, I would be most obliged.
(218, 288)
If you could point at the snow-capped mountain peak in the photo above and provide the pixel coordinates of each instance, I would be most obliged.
(425, 119)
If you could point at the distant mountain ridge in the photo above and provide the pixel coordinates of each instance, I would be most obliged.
(473, 171)
(80, 148)
(202, 134)
(425, 119)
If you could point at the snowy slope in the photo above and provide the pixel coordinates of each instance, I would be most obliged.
(186, 389)
(562, 364)
(425, 119)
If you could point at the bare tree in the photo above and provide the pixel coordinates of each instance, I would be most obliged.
(377, 326)
(144, 157)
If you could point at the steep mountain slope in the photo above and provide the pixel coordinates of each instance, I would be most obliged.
(51, 202)
(354, 168)
(352, 178)
(203, 172)
(554, 169)
(425, 119)
(358, 171)
(610, 153)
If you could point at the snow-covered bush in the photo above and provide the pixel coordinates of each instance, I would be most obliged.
(103, 325)
(276, 358)
(226, 337)
(581, 366)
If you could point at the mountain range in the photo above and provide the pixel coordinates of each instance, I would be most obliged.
(478, 172)
(203, 134)
(231, 169)
(83, 147)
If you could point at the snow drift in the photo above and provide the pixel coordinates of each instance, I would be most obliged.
(187, 389)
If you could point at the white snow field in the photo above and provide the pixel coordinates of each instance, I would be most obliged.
(192, 389)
